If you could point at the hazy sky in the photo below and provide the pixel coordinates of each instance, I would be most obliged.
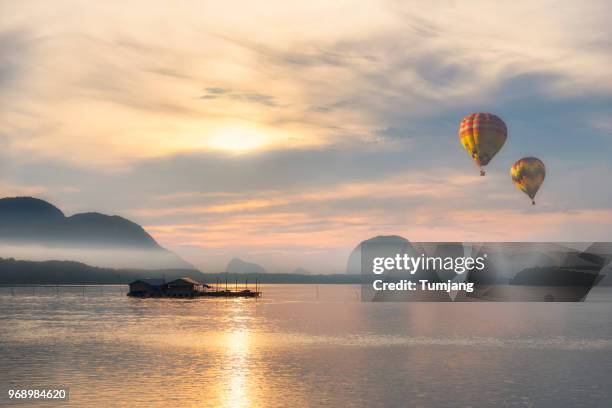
(286, 132)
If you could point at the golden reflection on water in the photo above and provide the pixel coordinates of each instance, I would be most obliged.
(277, 351)
(246, 377)
(237, 374)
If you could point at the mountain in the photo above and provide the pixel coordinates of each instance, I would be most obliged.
(530, 262)
(301, 271)
(390, 245)
(18, 272)
(271, 277)
(237, 265)
(31, 228)
(27, 219)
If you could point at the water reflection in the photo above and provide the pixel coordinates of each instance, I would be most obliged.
(301, 347)
(237, 372)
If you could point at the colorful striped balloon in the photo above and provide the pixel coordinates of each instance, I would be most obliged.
(528, 174)
(482, 136)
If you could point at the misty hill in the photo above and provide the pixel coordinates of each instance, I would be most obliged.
(387, 246)
(27, 219)
(555, 276)
(390, 244)
(541, 263)
(31, 228)
(237, 265)
(281, 278)
(301, 271)
(18, 272)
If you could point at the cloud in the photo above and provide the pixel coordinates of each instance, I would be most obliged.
(231, 125)
(112, 93)
(11, 45)
(254, 97)
(216, 90)
(323, 200)
(602, 122)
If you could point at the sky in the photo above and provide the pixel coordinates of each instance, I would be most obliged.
(285, 133)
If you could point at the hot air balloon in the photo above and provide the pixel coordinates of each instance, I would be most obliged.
(482, 135)
(528, 174)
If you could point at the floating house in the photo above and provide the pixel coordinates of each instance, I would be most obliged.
(183, 288)
(146, 287)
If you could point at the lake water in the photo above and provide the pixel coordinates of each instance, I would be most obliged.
(304, 345)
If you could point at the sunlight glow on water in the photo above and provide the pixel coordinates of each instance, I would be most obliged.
(302, 346)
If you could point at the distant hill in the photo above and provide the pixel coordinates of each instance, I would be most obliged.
(237, 265)
(282, 278)
(301, 271)
(385, 246)
(31, 228)
(27, 219)
(556, 276)
(541, 263)
(17, 272)
(389, 243)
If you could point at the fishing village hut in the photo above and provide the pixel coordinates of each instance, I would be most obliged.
(184, 287)
(147, 287)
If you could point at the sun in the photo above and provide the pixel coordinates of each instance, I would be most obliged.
(238, 139)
